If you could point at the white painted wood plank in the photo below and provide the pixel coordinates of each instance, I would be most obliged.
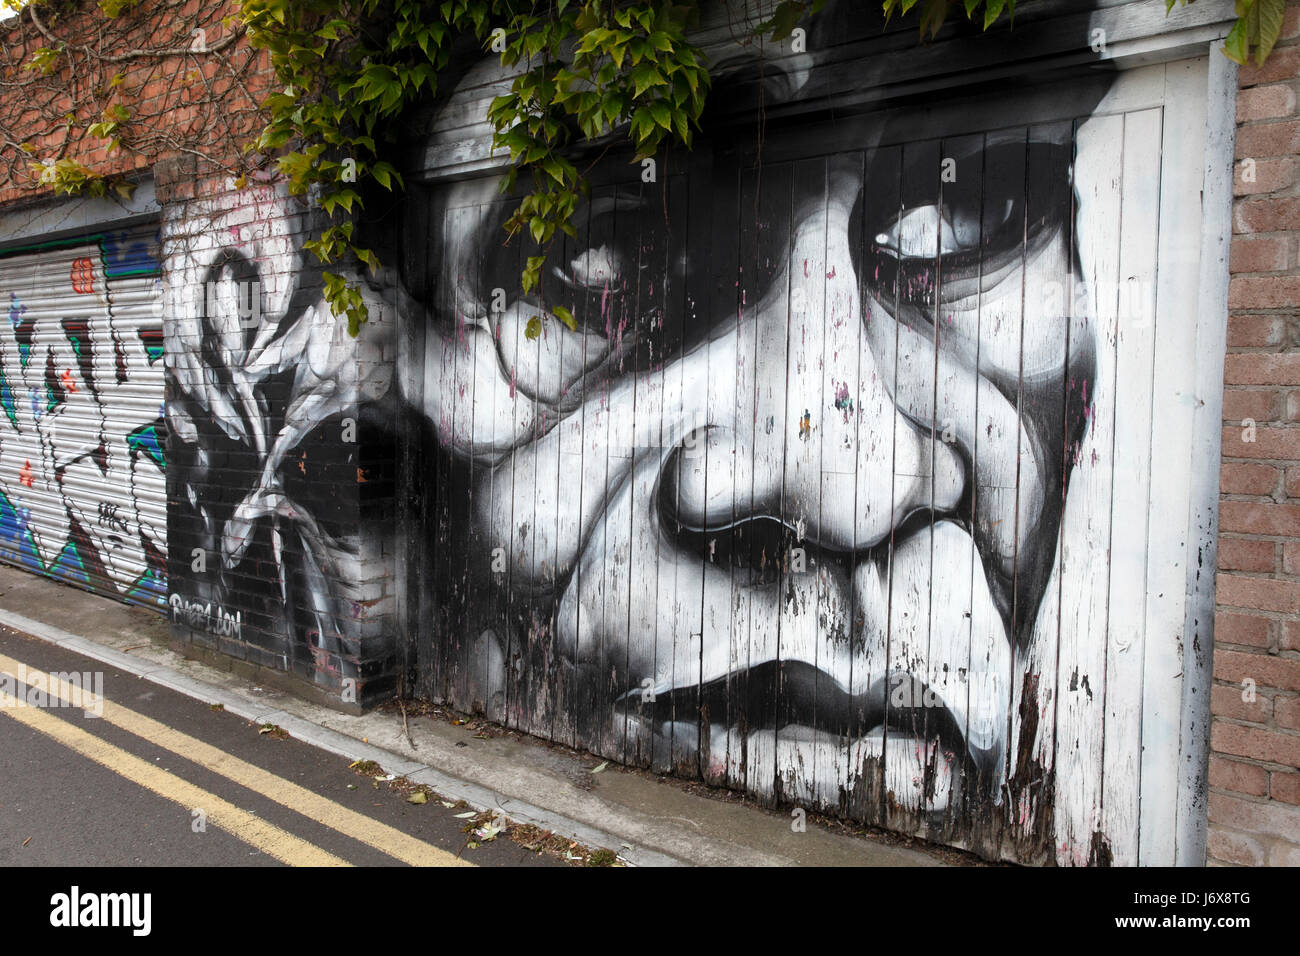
(1216, 231)
(1174, 388)
(1084, 561)
(1126, 399)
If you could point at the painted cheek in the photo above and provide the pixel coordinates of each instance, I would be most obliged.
(546, 366)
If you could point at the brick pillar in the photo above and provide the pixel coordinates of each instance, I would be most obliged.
(280, 483)
(1255, 730)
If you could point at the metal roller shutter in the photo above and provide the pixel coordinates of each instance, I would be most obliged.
(82, 490)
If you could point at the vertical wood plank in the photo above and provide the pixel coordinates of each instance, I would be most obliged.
(765, 295)
(470, 547)
(874, 501)
(1216, 182)
(796, 739)
(908, 751)
(607, 581)
(1132, 352)
(725, 371)
(840, 486)
(1171, 438)
(503, 568)
(572, 498)
(688, 311)
(992, 347)
(443, 362)
(1040, 491)
(1083, 569)
(662, 207)
(413, 493)
(831, 541)
(958, 585)
(997, 456)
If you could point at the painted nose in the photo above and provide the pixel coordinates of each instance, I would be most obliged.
(809, 436)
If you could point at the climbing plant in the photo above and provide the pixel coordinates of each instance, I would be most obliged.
(591, 68)
(587, 70)
(88, 88)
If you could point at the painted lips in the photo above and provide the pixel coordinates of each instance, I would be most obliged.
(833, 659)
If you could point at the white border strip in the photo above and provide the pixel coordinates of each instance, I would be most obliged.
(1203, 520)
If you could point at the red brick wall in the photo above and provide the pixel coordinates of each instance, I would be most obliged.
(346, 485)
(1255, 743)
(208, 99)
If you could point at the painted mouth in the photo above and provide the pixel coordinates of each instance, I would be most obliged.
(796, 697)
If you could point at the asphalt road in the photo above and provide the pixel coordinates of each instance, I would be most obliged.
(122, 789)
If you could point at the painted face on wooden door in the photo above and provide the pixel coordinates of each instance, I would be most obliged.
(785, 504)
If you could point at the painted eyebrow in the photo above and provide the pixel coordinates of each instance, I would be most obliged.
(1015, 136)
(621, 201)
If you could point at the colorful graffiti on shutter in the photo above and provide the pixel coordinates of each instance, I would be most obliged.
(81, 435)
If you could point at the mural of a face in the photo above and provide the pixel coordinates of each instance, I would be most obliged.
(81, 393)
(784, 508)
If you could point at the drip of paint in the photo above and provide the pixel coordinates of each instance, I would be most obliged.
(7, 400)
(842, 400)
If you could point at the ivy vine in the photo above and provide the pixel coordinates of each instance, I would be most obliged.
(592, 70)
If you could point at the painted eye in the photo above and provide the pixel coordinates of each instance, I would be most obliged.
(929, 231)
(592, 270)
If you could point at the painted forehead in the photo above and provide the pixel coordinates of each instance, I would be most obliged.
(617, 246)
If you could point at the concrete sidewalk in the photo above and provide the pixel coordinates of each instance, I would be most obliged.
(648, 820)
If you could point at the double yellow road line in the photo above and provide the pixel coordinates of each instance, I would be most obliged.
(269, 839)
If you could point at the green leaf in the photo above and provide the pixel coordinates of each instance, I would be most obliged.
(532, 271)
(533, 328)
(992, 11)
(784, 20)
(1268, 15)
(1235, 45)
(662, 114)
(565, 316)
(645, 76)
